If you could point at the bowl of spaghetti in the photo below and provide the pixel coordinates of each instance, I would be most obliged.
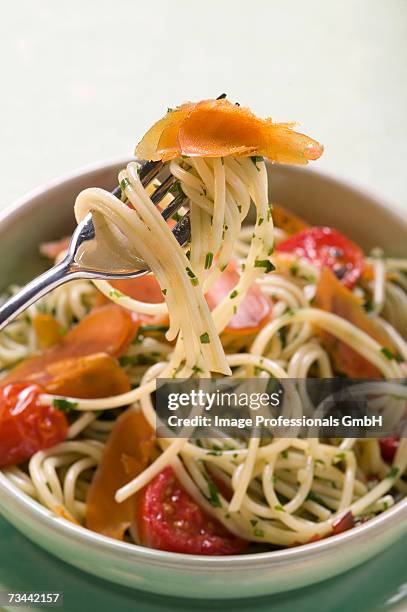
(289, 274)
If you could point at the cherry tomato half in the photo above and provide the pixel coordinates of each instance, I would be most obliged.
(324, 246)
(388, 448)
(169, 519)
(25, 425)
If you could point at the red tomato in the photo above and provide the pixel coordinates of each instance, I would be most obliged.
(388, 448)
(324, 246)
(25, 425)
(169, 519)
(343, 523)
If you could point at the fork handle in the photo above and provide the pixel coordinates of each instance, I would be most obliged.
(31, 292)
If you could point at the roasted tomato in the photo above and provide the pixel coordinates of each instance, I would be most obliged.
(127, 453)
(108, 329)
(343, 523)
(218, 128)
(169, 519)
(88, 377)
(324, 246)
(332, 296)
(388, 448)
(25, 425)
(286, 220)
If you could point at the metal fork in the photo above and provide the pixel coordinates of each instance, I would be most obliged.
(84, 247)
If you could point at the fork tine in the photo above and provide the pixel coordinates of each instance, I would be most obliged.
(182, 230)
(162, 190)
(148, 172)
(172, 208)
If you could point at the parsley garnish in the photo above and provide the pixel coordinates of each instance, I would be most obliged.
(255, 159)
(387, 353)
(64, 404)
(176, 189)
(192, 276)
(204, 338)
(115, 293)
(253, 522)
(284, 454)
(279, 508)
(208, 260)
(393, 473)
(124, 183)
(264, 263)
(214, 499)
(260, 221)
(233, 294)
(259, 533)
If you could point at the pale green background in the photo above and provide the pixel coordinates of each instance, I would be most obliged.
(81, 80)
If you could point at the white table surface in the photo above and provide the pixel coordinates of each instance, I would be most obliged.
(82, 80)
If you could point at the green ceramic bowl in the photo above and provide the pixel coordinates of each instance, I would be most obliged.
(46, 214)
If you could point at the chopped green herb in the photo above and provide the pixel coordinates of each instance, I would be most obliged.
(197, 370)
(115, 294)
(192, 276)
(176, 217)
(214, 499)
(169, 110)
(264, 263)
(239, 208)
(253, 522)
(176, 189)
(208, 260)
(204, 338)
(259, 533)
(215, 453)
(284, 454)
(339, 457)
(387, 353)
(124, 183)
(260, 221)
(279, 508)
(233, 294)
(234, 309)
(294, 269)
(257, 159)
(64, 404)
(164, 291)
(394, 472)
(368, 306)
(221, 97)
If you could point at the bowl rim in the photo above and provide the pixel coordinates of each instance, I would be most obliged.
(46, 519)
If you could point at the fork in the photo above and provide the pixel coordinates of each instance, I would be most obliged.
(72, 266)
